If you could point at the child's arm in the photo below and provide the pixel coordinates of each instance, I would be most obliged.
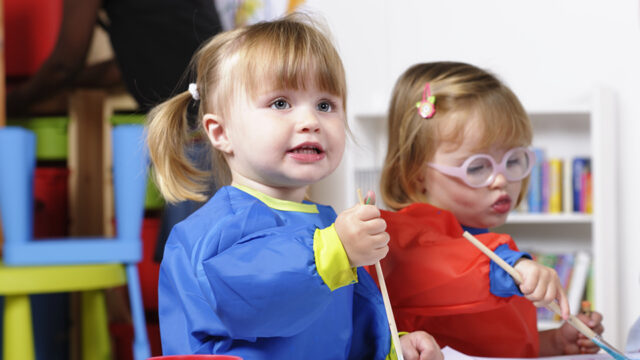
(566, 340)
(541, 285)
(419, 345)
(273, 281)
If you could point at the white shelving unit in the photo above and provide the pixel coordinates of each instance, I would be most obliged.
(582, 128)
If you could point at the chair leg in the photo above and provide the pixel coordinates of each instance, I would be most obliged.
(18, 328)
(96, 342)
(141, 348)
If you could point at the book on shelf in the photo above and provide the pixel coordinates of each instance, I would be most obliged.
(573, 269)
(555, 187)
(534, 196)
(581, 176)
(545, 186)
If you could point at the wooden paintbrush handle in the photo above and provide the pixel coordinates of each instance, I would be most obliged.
(573, 320)
(387, 303)
(493, 256)
(387, 306)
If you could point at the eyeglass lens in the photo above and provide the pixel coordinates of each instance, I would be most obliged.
(514, 166)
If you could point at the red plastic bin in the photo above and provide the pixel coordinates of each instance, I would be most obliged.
(51, 211)
(148, 269)
(31, 29)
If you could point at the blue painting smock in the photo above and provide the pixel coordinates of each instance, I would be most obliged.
(263, 278)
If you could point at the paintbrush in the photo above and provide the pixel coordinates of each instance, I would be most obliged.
(553, 306)
(385, 298)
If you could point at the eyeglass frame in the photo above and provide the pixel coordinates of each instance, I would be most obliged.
(460, 172)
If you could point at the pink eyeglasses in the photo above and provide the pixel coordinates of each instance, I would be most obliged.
(480, 170)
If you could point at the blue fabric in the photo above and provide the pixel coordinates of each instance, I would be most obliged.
(501, 283)
(239, 278)
(475, 231)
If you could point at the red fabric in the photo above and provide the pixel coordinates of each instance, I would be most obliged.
(439, 282)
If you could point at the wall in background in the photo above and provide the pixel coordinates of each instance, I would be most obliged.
(549, 52)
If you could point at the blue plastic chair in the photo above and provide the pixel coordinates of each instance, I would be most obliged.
(130, 160)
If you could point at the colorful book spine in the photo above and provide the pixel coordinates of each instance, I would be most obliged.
(555, 185)
(581, 171)
(587, 195)
(545, 186)
(534, 197)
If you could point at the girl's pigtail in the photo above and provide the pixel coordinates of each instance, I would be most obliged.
(168, 136)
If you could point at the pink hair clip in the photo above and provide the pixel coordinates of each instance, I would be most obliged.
(426, 107)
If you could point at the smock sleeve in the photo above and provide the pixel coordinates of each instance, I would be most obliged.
(501, 283)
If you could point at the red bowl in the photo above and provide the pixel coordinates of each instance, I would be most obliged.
(195, 357)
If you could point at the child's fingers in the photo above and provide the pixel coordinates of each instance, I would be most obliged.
(367, 212)
(379, 254)
(529, 283)
(374, 226)
(379, 241)
(593, 320)
(587, 346)
(563, 301)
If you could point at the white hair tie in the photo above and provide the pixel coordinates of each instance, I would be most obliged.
(193, 90)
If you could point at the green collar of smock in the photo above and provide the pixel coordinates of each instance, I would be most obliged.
(279, 204)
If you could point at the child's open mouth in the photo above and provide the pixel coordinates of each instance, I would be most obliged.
(307, 152)
(503, 204)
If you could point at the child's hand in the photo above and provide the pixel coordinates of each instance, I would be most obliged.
(363, 235)
(573, 342)
(419, 345)
(541, 285)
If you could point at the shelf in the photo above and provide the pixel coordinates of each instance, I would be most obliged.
(547, 218)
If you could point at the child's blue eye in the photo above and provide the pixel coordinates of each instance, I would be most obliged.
(325, 106)
(280, 104)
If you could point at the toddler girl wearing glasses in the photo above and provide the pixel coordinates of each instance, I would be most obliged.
(458, 160)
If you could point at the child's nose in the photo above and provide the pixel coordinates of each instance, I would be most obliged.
(308, 122)
(499, 181)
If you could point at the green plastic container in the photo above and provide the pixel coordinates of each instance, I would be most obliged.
(51, 135)
(153, 199)
(126, 119)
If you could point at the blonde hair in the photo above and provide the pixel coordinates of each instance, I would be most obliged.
(461, 91)
(290, 53)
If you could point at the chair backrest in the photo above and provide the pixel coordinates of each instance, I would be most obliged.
(130, 160)
(17, 164)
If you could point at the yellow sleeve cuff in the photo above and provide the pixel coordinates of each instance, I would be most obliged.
(331, 259)
(393, 354)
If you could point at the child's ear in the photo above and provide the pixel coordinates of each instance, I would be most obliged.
(217, 132)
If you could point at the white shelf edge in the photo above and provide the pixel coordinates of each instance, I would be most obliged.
(548, 218)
